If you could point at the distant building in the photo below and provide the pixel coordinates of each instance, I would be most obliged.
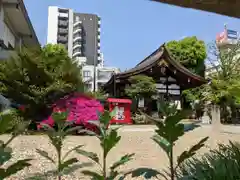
(103, 75)
(226, 39)
(78, 32)
(16, 32)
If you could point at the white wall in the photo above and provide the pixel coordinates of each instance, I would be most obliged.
(5, 33)
(52, 25)
(70, 33)
(102, 80)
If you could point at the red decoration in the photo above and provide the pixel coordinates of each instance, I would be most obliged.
(123, 110)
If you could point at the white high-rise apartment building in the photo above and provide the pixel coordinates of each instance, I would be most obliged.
(78, 32)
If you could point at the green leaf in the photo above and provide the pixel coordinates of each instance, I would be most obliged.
(73, 129)
(147, 173)
(192, 151)
(18, 166)
(110, 141)
(67, 163)
(45, 155)
(94, 175)
(60, 118)
(6, 122)
(71, 150)
(105, 118)
(122, 161)
(5, 154)
(74, 167)
(113, 112)
(163, 143)
(90, 155)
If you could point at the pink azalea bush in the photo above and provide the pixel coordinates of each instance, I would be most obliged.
(81, 109)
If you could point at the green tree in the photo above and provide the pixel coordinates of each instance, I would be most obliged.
(141, 87)
(190, 52)
(36, 78)
(224, 87)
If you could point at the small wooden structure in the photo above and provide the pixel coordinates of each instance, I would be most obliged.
(170, 76)
(123, 110)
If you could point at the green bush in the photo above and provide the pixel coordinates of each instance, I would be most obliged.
(7, 124)
(222, 163)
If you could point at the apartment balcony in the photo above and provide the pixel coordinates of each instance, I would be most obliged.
(77, 38)
(77, 23)
(77, 31)
(62, 31)
(77, 52)
(62, 39)
(75, 46)
(62, 23)
(63, 14)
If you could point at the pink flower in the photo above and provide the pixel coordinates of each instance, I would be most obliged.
(81, 109)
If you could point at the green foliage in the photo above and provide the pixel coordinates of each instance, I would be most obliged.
(108, 138)
(97, 95)
(221, 163)
(224, 87)
(57, 136)
(141, 86)
(38, 77)
(6, 153)
(191, 53)
(168, 132)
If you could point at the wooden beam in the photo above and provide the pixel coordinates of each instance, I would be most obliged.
(224, 7)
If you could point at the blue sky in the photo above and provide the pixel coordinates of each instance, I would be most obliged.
(132, 29)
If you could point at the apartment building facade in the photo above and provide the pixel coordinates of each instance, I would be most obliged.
(16, 32)
(79, 33)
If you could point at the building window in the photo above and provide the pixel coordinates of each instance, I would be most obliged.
(86, 74)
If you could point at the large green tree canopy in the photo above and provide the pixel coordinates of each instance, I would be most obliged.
(191, 53)
(37, 78)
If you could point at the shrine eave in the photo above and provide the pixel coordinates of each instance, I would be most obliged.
(151, 61)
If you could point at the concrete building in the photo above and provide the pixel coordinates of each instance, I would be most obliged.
(225, 40)
(16, 30)
(78, 32)
(103, 75)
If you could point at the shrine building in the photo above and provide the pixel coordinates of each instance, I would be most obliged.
(170, 76)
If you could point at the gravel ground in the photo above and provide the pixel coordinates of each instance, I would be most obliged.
(136, 141)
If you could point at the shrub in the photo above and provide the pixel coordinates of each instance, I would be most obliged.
(220, 164)
(8, 125)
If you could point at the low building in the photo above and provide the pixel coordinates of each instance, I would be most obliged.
(102, 76)
(170, 76)
(16, 32)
